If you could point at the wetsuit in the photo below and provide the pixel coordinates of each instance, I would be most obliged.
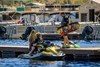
(65, 22)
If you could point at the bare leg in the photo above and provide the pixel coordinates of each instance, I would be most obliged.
(31, 51)
(30, 46)
(66, 41)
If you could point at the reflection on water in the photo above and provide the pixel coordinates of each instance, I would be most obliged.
(15, 62)
(80, 64)
(82, 43)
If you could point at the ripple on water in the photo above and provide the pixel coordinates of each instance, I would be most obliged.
(16, 62)
(81, 43)
(13, 42)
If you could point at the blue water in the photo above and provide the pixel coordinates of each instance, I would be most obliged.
(81, 43)
(13, 42)
(16, 62)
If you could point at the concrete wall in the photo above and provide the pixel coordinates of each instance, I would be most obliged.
(89, 5)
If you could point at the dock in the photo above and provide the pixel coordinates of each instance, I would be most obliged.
(12, 51)
(92, 53)
(14, 48)
(51, 36)
(71, 53)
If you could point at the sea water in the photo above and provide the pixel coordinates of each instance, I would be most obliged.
(17, 62)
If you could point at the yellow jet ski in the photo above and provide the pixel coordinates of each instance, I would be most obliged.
(49, 53)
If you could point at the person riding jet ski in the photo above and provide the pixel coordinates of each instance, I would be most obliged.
(39, 48)
(36, 43)
(34, 39)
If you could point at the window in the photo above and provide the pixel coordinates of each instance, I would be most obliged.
(84, 17)
(77, 15)
(43, 18)
(91, 15)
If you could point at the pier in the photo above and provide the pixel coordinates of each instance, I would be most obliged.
(82, 53)
(92, 53)
(51, 36)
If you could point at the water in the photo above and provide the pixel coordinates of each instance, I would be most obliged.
(14, 42)
(81, 43)
(17, 62)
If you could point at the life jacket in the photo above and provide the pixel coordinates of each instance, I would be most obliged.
(64, 21)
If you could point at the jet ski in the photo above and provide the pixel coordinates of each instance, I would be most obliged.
(50, 53)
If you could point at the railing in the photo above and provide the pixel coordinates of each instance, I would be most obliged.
(11, 28)
(97, 31)
(47, 27)
(94, 25)
(51, 28)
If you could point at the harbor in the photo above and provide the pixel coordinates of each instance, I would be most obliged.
(51, 33)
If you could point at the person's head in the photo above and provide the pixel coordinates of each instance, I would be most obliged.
(32, 36)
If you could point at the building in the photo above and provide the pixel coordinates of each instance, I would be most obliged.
(90, 11)
(65, 7)
(35, 6)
